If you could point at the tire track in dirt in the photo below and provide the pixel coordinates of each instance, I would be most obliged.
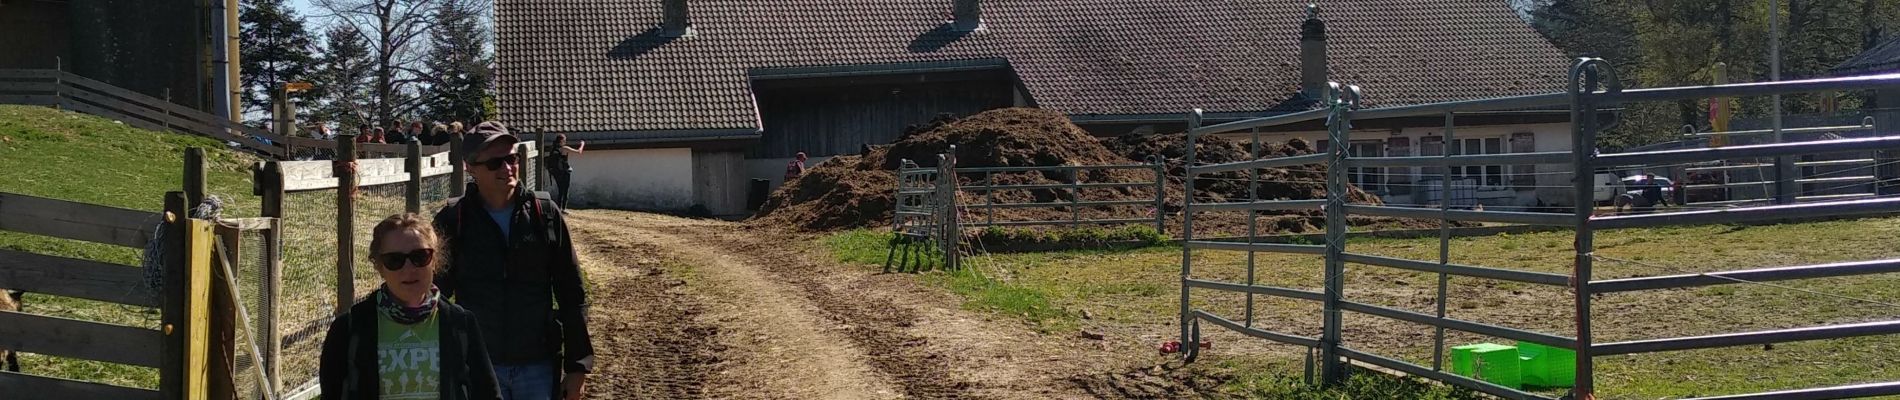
(646, 332)
(876, 330)
(876, 325)
(778, 345)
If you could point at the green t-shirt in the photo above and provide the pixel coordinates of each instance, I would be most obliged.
(408, 358)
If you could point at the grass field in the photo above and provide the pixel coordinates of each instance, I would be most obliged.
(1137, 291)
(75, 157)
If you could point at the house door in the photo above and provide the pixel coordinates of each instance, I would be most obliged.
(1367, 178)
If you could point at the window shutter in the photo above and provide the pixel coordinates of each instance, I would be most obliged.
(1325, 145)
(1431, 146)
(1401, 179)
(1524, 176)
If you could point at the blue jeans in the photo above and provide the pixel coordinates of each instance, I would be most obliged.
(526, 381)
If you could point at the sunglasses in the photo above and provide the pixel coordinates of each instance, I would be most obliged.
(496, 163)
(394, 261)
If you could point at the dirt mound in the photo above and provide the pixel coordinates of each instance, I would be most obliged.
(1293, 183)
(841, 192)
(857, 191)
(1009, 137)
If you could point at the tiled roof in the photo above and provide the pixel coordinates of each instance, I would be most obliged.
(600, 65)
(1882, 58)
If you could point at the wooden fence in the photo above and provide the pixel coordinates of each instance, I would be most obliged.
(194, 344)
(65, 90)
(181, 349)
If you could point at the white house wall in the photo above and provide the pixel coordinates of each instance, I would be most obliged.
(1552, 181)
(636, 179)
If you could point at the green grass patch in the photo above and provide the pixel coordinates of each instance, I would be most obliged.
(983, 293)
(76, 157)
(859, 246)
(1072, 238)
(1139, 289)
(1275, 379)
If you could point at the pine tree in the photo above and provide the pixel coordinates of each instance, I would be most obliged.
(342, 82)
(460, 64)
(275, 49)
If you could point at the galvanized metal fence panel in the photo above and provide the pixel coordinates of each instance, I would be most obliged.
(1593, 89)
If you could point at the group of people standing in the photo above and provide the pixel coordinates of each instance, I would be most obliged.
(555, 160)
(483, 300)
(439, 134)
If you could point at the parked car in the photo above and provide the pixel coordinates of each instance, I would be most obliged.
(1607, 187)
(1633, 184)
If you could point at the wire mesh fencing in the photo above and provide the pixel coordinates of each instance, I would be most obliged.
(323, 250)
(246, 250)
(308, 293)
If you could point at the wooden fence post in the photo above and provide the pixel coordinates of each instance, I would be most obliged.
(172, 321)
(1161, 193)
(221, 313)
(194, 179)
(540, 176)
(59, 83)
(458, 178)
(270, 185)
(414, 165)
(345, 224)
(199, 348)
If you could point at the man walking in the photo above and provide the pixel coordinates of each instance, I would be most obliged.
(512, 264)
(558, 166)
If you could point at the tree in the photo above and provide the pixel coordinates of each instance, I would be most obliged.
(275, 49)
(459, 65)
(342, 82)
(395, 31)
(1677, 42)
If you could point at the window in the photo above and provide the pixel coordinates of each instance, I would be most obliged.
(1485, 175)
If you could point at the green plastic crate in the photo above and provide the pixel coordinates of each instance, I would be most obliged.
(1489, 362)
(1546, 366)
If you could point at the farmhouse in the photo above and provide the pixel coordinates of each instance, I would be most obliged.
(684, 103)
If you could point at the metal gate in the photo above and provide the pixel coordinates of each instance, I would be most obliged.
(925, 219)
(1593, 91)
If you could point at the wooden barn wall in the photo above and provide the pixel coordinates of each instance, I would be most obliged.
(823, 120)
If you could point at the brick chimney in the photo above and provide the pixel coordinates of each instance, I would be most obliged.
(675, 24)
(969, 15)
(1313, 54)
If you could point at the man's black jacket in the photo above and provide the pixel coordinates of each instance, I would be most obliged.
(514, 284)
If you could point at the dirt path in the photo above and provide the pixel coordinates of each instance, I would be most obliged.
(755, 314)
(644, 323)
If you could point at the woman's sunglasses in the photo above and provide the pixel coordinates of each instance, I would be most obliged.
(393, 261)
(495, 163)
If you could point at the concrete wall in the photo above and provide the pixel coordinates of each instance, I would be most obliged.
(637, 179)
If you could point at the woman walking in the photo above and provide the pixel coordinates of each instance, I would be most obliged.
(404, 341)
